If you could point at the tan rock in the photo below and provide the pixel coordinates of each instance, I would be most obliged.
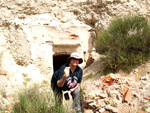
(3, 82)
(31, 38)
(113, 109)
(102, 95)
(101, 110)
(88, 111)
(67, 70)
(92, 105)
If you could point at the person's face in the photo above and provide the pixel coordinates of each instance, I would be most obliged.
(74, 61)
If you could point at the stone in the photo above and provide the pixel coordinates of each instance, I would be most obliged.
(88, 111)
(136, 94)
(91, 95)
(143, 78)
(148, 76)
(92, 105)
(143, 82)
(107, 101)
(102, 104)
(148, 98)
(101, 110)
(89, 101)
(118, 96)
(3, 82)
(3, 72)
(66, 71)
(115, 102)
(116, 86)
(148, 110)
(112, 109)
(102, 95)
(127, 95)
(114, 93)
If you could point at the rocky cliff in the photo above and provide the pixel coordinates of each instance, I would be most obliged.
(19, 62)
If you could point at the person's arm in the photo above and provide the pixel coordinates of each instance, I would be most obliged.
(63, 75)
(60, 83)
(73, 89)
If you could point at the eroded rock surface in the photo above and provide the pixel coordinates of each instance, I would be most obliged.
(26, 25)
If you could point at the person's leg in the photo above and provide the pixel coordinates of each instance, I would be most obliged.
(58, 101)
(58, 97)
(76, 99)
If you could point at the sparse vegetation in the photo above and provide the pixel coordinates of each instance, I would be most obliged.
(35, 100)
(126, 43)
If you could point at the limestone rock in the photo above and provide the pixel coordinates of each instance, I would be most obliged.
(3, 83)
(101, 110)
(67, 70)
(112, 109)
(28, 29)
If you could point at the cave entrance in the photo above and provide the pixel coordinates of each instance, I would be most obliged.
(59, 60)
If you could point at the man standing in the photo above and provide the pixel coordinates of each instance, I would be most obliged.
(70, 80)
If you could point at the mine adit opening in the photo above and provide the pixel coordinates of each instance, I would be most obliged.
(59, 60)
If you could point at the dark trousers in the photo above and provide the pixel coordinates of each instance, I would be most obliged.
(59, 97)
(76, 99)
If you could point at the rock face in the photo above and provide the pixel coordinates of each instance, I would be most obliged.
(18, 45)
(34, 34)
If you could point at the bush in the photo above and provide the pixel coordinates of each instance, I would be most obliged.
(126, 43)
(32, 100)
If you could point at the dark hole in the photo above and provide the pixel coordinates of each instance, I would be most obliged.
(59, 60)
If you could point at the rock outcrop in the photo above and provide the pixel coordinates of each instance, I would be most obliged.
(28, 28)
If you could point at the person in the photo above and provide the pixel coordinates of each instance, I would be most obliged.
(68, 81)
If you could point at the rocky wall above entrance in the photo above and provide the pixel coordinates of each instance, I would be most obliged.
(47, 43)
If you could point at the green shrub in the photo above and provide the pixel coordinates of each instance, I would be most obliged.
(33, 100)
(126, 43)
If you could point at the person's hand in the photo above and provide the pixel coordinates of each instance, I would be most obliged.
(71, 90)
(65, 76)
